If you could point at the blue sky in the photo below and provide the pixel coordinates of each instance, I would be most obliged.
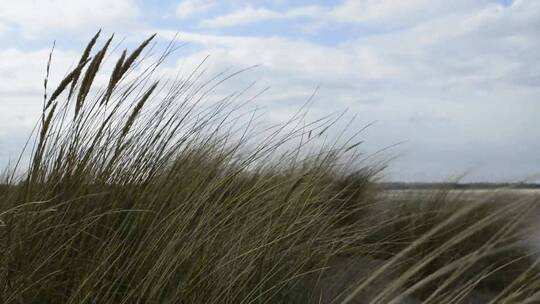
(458, 80)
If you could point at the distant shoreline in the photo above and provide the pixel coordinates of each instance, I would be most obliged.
(461, 186)
(435, 186)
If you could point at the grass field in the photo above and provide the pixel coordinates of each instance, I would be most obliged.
(144, 191)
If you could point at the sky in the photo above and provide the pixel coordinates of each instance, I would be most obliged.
(455, 84)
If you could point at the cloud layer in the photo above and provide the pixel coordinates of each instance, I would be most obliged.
(32, 18)
(458, 80)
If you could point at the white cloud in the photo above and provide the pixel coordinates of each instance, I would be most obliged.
(381, 13)
(279, 55)
(459, 79)
(188, 8)
(244, 16)
(398, 13)
(462, 86)
(249, 14)
(37, 17)
(21, 94)
(464, 51)
(21, 84)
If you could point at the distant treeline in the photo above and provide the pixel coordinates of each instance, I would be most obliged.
(403, 185)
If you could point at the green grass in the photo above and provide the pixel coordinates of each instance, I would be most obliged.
(148, 191)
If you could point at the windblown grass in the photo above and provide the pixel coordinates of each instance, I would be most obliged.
(144, 191)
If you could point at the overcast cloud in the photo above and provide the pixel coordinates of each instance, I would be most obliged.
(458, 80)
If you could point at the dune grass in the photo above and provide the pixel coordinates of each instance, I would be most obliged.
(148, 190)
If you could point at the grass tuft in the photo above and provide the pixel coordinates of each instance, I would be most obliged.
(151, 191)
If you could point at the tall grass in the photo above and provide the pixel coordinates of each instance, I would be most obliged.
(148, 190)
